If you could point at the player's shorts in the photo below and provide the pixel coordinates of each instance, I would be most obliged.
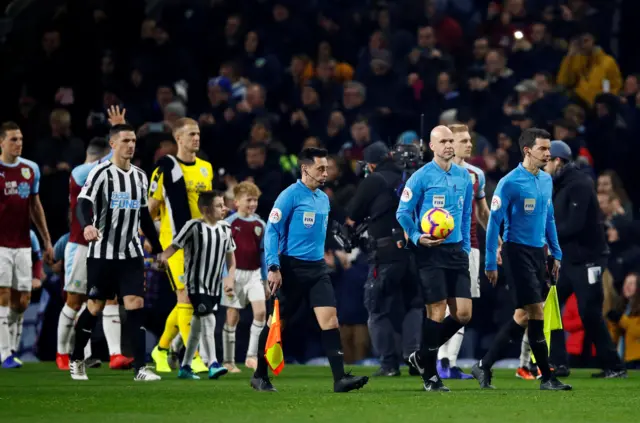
(525, 272)
(108, 278)
(304, 284)
(15, 269)
(203, 304)
(175, 270)
(248, 288)
(75, 268)
(443, 272)
(474, 272)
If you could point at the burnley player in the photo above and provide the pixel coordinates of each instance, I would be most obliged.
(19, 203)
(75, 272)
(251, 274)
(448, 353)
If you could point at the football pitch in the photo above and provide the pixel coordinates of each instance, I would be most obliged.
(41, 393)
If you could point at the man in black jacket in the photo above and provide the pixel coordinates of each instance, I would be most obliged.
(582, 239)
(391, 294)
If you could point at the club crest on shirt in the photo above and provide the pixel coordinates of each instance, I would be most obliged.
(257, 230)
(473, 177)
(308, 219)
(26, 172)
(204, 172)
(438, 201)
(529, 205)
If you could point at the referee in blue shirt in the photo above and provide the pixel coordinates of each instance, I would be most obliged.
(523, 200)
(294, 251)
(443, 264)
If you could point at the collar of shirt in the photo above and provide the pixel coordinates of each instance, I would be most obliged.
(314, 192)
(531, 175)
(441, 170)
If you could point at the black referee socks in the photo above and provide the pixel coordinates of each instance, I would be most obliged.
(84, 327)
(539, 348)
(450, 327)
(262, 371)
(509, 331)
(431, 337)
(135, 321)
(333, 348)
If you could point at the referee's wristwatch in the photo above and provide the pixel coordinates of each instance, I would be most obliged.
(274, 268)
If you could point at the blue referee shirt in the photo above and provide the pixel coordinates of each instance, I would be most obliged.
(524, 201)
(431, 186)
(297, 225)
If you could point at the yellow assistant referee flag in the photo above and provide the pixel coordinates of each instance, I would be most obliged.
(273, 350)
(552, 317)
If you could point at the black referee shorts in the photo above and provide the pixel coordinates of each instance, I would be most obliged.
(108, 278)
(304, 284)
(525, 272)
(443, 272)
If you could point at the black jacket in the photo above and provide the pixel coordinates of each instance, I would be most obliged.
(579, 223)
(375, 198)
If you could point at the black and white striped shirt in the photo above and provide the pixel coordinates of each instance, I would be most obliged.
(118, 197)
(205, 248)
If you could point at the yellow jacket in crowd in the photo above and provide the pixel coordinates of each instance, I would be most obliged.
(585, 74)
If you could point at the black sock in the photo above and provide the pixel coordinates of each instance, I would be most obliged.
(84, 327)
(450, 327)
(431, 336)
(135, 321)
(539, 347)
(510, 331)
(262, 371)
(333, 348)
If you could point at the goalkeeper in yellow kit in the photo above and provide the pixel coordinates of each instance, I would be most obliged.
(173, 194)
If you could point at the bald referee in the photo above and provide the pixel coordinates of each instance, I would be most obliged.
(581, 234)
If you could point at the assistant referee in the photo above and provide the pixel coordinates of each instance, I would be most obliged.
(584, 246)
(523, 200)
(294, 250)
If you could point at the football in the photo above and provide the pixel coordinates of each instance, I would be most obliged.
(437, 223)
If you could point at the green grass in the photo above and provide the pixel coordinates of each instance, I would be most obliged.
(41, 393)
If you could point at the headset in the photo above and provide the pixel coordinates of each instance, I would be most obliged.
(309, 175)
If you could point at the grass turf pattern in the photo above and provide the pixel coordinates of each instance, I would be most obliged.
(41, 393)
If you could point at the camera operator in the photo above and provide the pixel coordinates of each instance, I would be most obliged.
(581, 234)
(391, 293)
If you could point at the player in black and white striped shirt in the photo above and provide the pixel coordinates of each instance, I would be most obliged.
(112, 207)
(208, 245)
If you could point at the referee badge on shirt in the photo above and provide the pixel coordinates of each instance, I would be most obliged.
(438, 201)
(460, 202)
(529, 205)
(26, 172)
(308, 219)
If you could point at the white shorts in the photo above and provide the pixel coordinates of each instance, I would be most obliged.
(248, 288)
(75, 268)
(15, 269)
(474, 272)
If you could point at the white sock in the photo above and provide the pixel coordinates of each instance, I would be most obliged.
(177, 344)
(256, 329)
(454, 347)
(5, 339)
(111, 328)
(229, 343)
(208, 339)
(15, 329)
(525, 351)
(65, 327)
(193, 341)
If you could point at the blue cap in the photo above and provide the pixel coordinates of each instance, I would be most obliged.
(222, 82)
(560, 149)
(407, 137)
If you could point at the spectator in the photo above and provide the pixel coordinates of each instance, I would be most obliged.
(587, 70)
(610, 183)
